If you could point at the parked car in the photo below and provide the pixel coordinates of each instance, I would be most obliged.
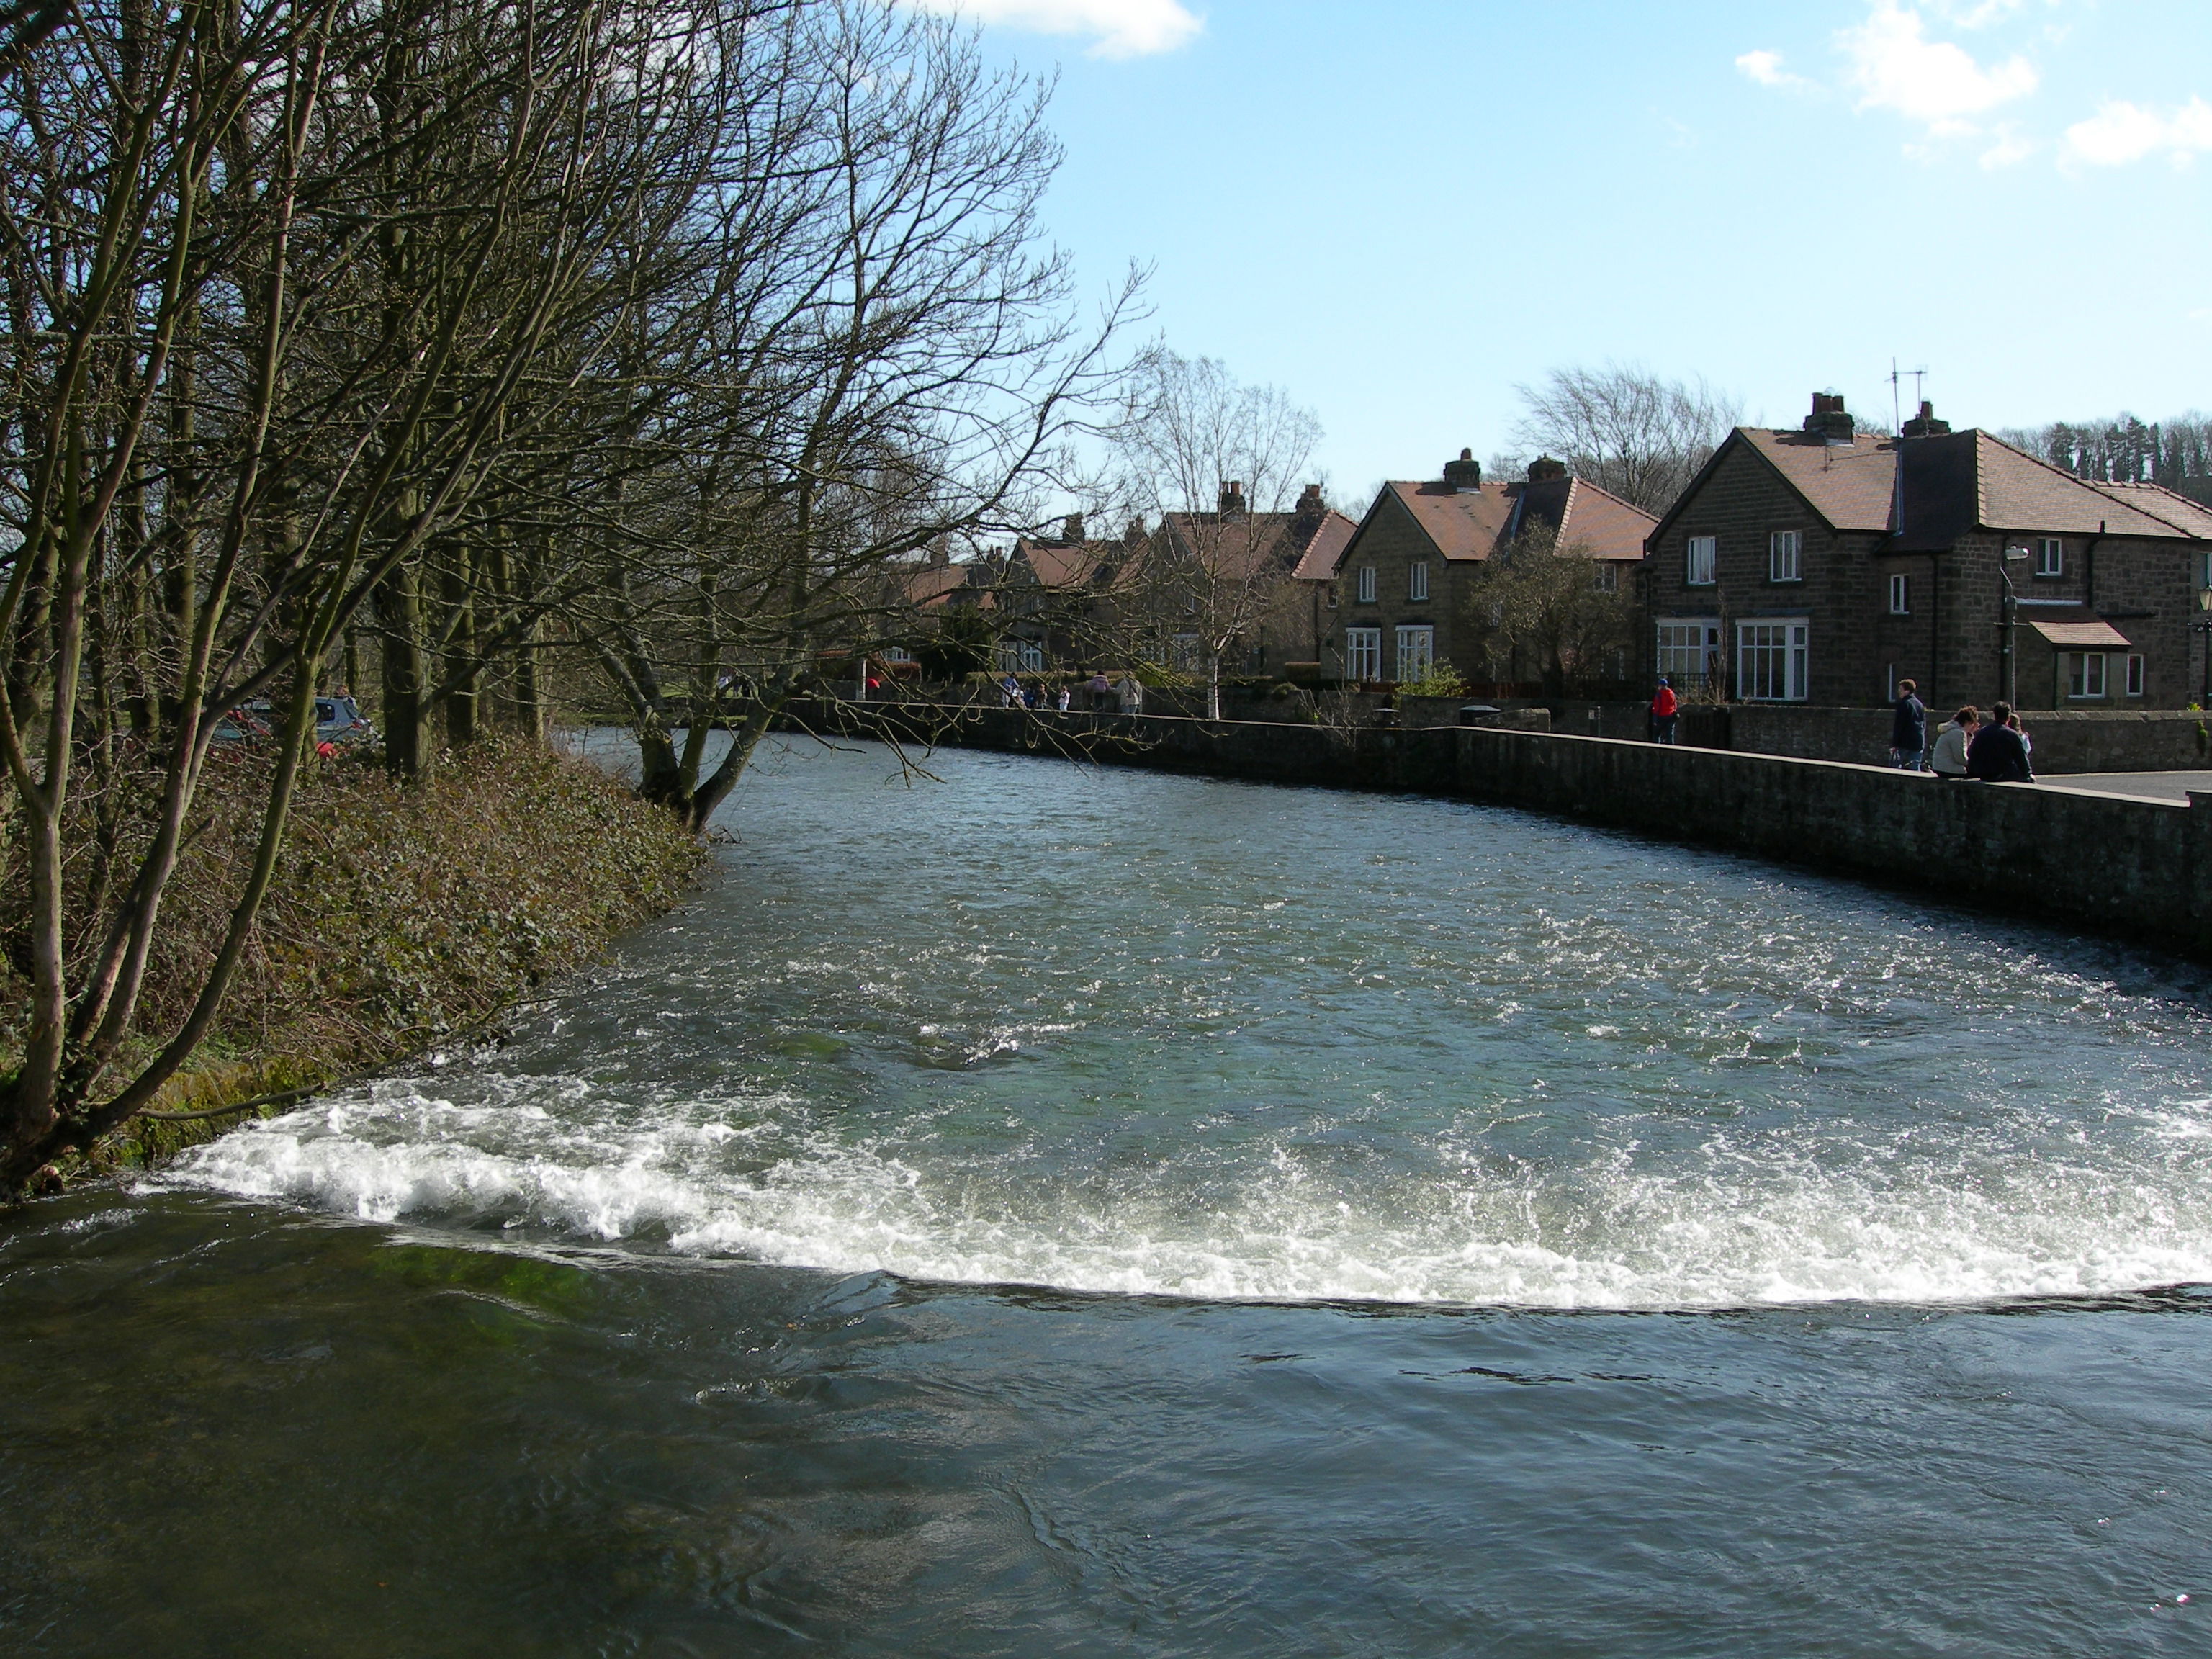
(254, 722)
(339, 721)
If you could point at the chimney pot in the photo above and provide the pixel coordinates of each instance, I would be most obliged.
(1830, 420)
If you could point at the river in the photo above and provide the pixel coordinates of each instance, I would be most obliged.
(1038, 1209)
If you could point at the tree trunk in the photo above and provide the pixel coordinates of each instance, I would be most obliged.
(404, 720)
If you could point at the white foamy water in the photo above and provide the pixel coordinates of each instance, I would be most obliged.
(1119, 1033)
(1815, 1214)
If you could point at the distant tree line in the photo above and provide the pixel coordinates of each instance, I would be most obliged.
(2123, 449)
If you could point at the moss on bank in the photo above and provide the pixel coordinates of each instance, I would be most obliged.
(399, 916)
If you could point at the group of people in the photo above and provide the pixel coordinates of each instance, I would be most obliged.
(1995, 750)
(1125, 696)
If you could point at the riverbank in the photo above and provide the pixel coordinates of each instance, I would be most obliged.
(398, 918)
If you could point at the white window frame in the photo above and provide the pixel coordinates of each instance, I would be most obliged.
(1785, 556)
(2086, 677)
(1773, 658)
(1701, 561)
(1416, 652)
(1363, 653)
(1183, 651)
(2135, 676)
(1417, 582)
(1900, 594)
(1683, 645)
(1605, 576)
(2049, 555)
(1367, 584)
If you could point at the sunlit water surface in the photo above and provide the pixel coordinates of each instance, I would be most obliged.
(1048, 1210)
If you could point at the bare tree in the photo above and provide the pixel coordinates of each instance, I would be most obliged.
(1626, 429)
(1218, 466)
(277, 276)
(892, 362)
(1539, 604)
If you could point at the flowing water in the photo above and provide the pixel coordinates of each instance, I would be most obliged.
(1046, 1210)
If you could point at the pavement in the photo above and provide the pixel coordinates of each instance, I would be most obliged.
(2163, 785)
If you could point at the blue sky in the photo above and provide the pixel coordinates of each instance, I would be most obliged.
(1398, 210)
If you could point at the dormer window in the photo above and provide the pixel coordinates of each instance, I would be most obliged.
(2049, 557)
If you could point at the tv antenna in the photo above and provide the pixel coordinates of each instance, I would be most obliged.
(1896, 374)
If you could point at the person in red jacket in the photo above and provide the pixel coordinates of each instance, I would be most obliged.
(1665, 711)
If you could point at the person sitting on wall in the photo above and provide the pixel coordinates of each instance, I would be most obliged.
(1908, 729)
(1666, 712)
(1996, 754)
(1948, 757)
(1102, 693)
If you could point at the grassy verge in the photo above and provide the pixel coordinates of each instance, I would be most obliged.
(399, 917)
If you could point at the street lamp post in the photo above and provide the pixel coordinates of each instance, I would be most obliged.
(2203, 625)
(2009, 620)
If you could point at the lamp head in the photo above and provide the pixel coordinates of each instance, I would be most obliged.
(2015, 553)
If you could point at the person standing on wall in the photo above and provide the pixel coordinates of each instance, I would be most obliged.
(1997, 755)
(1666, 712)
(1908, 728)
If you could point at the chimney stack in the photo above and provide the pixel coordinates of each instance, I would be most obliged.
(1545, 470)
(1830, 420)
(1232, 496)
(1465, 473)
(1071, 530)
(1924, 424)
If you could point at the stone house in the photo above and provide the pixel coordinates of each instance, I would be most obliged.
(1403, 582)
(1258, 567)
(1822, 565)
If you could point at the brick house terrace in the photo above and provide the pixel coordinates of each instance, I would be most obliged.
(1823, 565)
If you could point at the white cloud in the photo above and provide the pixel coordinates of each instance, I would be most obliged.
(1765, 68)
(2120, 133)
(2012, 146)
(1895, 66)
(1118, 28)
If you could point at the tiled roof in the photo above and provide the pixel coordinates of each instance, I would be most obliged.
(1930, 491)
(1850, 485)
(1065, 564)
(2020, 492)
(1319, 562)
(929, 584)
(2079, 635)
(2189, 516)
(1243, 544)
(1472, 524)
(1600, 521)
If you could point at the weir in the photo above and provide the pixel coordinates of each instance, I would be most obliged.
(2135, 867)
